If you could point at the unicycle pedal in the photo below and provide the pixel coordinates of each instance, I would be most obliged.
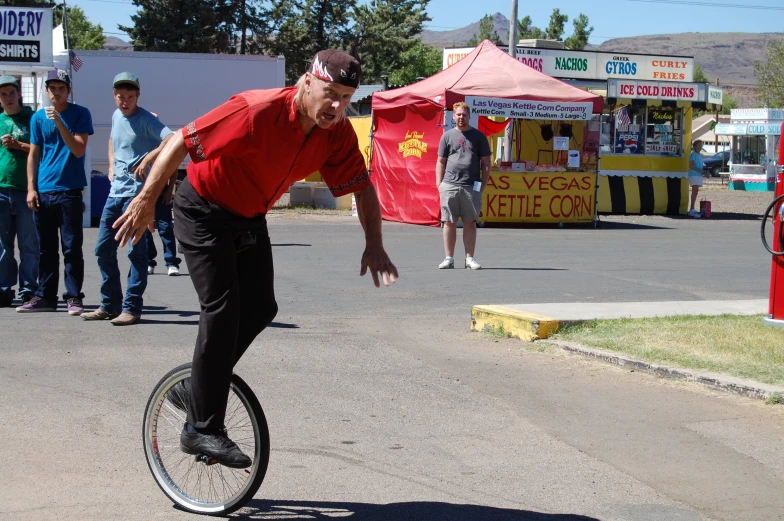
(207, 460)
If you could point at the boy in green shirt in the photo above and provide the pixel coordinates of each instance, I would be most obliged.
(16, 219)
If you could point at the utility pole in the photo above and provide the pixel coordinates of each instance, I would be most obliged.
(68, 46)
(513, 31)
(507, 154)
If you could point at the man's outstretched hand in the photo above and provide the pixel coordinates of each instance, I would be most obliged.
(377, 261)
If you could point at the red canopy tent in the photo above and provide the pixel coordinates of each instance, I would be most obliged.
(409, 124)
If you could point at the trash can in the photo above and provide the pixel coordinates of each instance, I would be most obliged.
(99, 192)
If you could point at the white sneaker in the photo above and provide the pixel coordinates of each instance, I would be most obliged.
(695, 214)
(174, 271)
(448, 264)
(150, 270)
(472, 264)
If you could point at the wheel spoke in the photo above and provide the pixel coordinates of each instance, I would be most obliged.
(192, 484)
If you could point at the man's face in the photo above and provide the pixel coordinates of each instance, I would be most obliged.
(58, 92)
(126, 100)
(461, 116)
(327, 100)
(9, 96)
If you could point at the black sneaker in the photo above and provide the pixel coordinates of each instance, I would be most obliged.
(5, 301)
(180, 394)
(216, 445)
(27, 297)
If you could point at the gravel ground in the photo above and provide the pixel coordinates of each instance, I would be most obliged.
(733, 204)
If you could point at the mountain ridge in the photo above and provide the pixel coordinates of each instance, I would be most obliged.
(728, 57)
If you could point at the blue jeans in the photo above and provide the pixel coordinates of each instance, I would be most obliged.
(163, 221)
(106, 250)
(60, 212)
(16, 220)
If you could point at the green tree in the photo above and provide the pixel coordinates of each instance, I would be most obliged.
(729, 102)
(420, 61)
(486, 32)
(770, 75)
(579, 38)
(555, 30)
(82, 33)
(300, 28)
(383, 30)
(699, 76)
(179, 26)
(526, 30)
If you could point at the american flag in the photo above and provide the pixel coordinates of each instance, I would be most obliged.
(622, 117)
(76, 62)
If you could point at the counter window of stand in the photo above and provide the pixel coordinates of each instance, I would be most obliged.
(623, 130)
(664, 132)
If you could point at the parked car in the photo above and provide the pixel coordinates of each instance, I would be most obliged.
(716, 163)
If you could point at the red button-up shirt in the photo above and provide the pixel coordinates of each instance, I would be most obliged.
(246, 153)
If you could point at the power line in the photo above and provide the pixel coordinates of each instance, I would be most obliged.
(711, 4)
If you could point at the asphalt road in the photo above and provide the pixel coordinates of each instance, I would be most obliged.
(382, 405)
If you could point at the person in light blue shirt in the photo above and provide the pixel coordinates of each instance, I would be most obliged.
(55, 180)
(695, 175)
(136, 139)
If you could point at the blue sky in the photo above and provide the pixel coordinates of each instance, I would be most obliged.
(610, 18)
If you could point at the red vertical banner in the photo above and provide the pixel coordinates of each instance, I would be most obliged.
(403, 163)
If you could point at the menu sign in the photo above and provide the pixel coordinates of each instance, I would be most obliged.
(566, 64)
(657, 90)
(524, 109)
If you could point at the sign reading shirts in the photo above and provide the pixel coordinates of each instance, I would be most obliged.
(591, 65)
(662, 90)
(25, 38)
(548, 198)
(523, 109)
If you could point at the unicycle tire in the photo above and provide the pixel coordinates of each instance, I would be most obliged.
(190, 481)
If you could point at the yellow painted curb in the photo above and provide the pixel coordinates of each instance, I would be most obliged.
(519, 324)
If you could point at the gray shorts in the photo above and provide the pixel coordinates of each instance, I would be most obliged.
(459, 202)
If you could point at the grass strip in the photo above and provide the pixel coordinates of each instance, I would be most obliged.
(739, 346)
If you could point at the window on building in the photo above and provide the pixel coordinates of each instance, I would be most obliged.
(655, 131)
(664, 132)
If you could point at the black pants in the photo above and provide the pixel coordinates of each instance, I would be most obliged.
(229, 259)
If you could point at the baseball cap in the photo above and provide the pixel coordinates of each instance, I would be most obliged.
(59, 75)
(5, 79)
(336, 66)
(126, 77)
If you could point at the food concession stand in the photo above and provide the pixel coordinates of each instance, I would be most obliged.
(754, 151)
(554, 147)
(645, 131)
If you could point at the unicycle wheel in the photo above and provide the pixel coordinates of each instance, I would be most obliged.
(196, 483)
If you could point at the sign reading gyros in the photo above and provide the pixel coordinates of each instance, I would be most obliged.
(524, 109)
(25, 38)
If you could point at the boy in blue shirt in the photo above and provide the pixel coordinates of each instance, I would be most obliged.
(136, 139)
(55, 180)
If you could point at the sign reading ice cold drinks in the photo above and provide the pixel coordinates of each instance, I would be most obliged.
(657, 90)
(523, 109)
(25, 37)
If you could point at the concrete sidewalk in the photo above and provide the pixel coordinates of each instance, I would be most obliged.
(531, 322)
(538, 321)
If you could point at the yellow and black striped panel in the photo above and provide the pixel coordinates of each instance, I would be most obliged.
(643, 195)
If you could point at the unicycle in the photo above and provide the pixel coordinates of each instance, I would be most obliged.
(196, 483)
